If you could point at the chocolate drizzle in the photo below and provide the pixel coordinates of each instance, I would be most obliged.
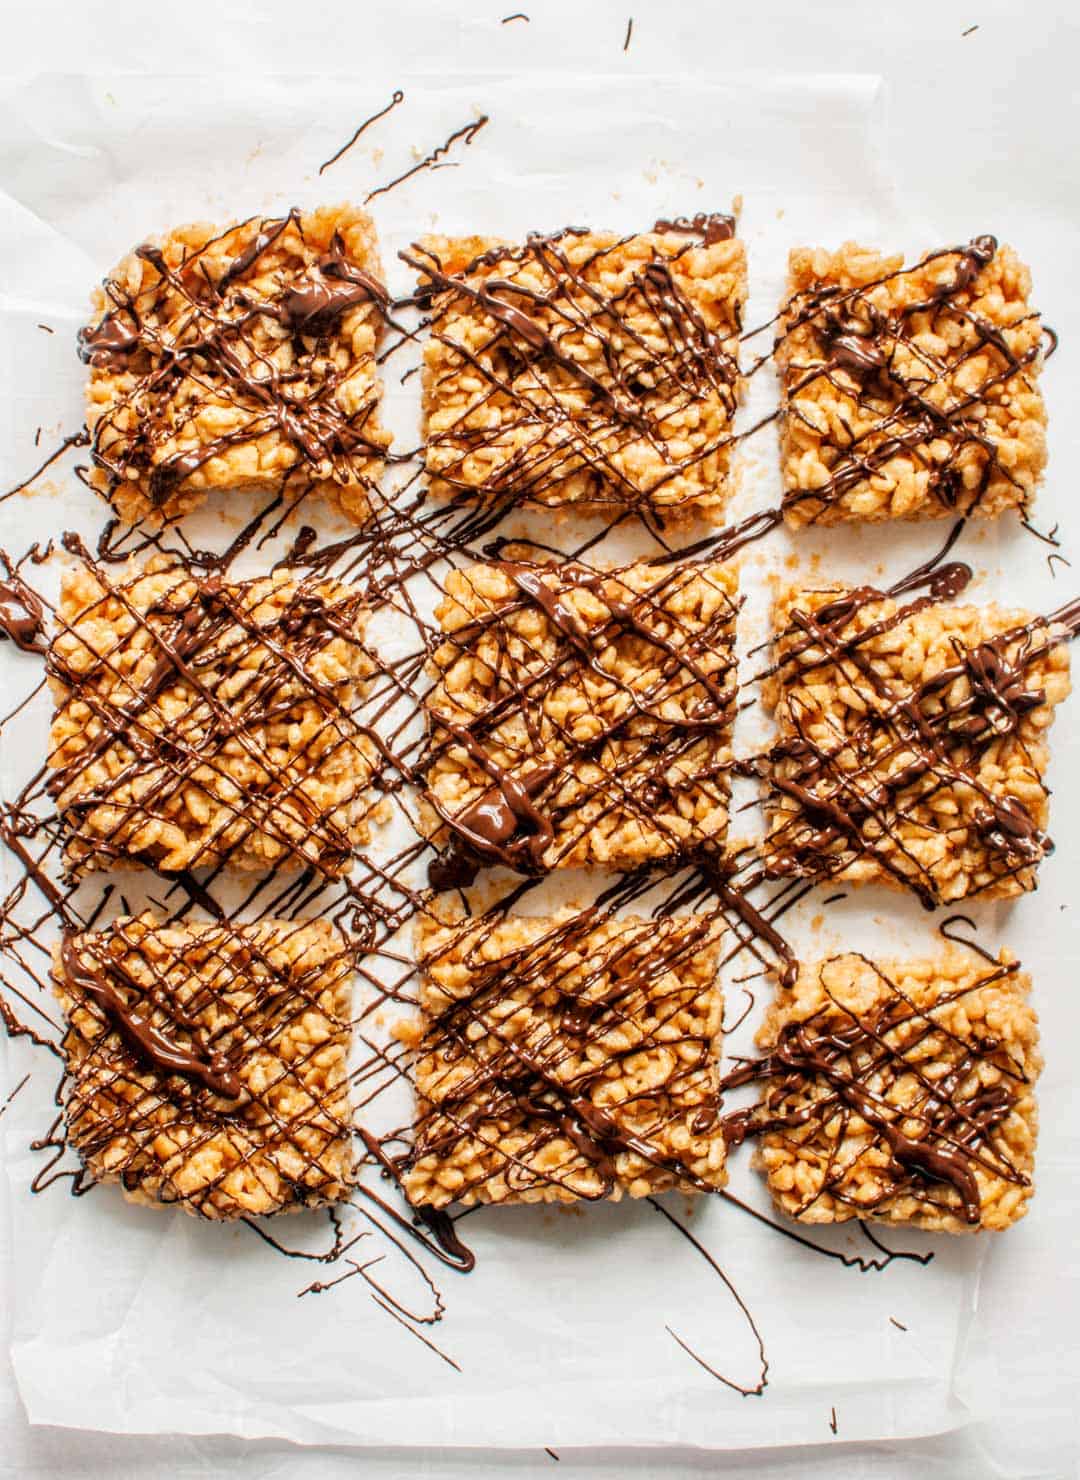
(207, 635)
(22, 616)
(511, 818)
(397, 98)
(545, 1079)
(109, 344)
(436, 159)
(711, 226)
(93, 982)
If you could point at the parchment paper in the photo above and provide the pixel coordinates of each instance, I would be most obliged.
(134, 1321)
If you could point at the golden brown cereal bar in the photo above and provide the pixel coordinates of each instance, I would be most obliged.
(902, 1091)
(585, 368)
(567, 1058)
(206, 1065)
(909, 392)
(581, 716)
(238, 358)
(202, 723)
(911, 742)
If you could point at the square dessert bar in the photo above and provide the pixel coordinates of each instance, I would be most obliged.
(200, 723)
(902, 1091)
(575, 1057)
(582, 716)
(239, 358)
(911, 743)
(585, 368)
(206, 1065)
(909, 392)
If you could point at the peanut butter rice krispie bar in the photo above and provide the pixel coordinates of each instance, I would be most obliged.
(902, 1091)
(239, 358)
(909, 392)
(206, 1065)
(575, 1057)
(581, 716)
(200, 723)
(584, 368)
(911, 744)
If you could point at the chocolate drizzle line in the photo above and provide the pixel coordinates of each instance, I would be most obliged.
(436, 160)
(164, 731)
(21, 615)
(858, 1262)
(397, 98)
(76, 439)
(862, 352)
(479, 1076)
(96, 983)
(23, 1082)
(763, 1377)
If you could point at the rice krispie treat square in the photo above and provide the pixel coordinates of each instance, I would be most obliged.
(238, 358)
(206, 1065)
(581, 716)
(584, 368)
(574, 1057)
(902, 1091)
(200, 723)
(911, 744)
(909, 392)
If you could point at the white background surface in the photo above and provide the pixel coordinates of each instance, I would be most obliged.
(980, 133)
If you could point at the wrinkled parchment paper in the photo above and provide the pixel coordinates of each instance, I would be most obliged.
(569, 1330)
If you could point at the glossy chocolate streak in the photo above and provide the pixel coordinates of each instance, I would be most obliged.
(836, 1062)
(212, 343)
(449, 1247)
(22, 615)
(857, 338)
(94, 983)
(761, 928)
(712, 226)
